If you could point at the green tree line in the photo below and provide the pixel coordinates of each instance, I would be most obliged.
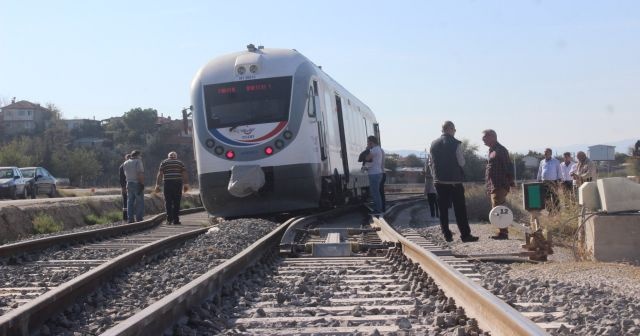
(54, 149)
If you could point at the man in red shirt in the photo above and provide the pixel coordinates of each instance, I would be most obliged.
(498, 175)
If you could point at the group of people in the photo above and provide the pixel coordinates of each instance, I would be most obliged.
(172, 173)
(445, 175)
(567, 175)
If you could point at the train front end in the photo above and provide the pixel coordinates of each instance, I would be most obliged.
(253, 150)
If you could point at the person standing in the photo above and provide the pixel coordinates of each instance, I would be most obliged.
(123, 187)
(383, 199)
(430, 192)
(567, 167)
(550, 174)
(498, 174)
(447, 160)
(585, 170)
(134, 173)
(375, 171)
(175, 181)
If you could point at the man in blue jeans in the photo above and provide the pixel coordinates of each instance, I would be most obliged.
(134, 173)
(375, 171)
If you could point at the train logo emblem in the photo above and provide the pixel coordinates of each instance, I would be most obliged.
(249, 135)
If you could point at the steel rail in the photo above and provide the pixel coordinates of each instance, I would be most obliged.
(162, 314)
(492, 314)
(26, 319)
(46, 242)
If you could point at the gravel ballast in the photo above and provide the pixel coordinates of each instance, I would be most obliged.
(596, 298)
(146, 283)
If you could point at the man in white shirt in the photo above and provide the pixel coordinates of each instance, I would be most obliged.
(567, 167)
(550, 174)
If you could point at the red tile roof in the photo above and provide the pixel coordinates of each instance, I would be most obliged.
(23, 105)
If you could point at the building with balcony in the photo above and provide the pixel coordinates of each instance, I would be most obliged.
(23, 118)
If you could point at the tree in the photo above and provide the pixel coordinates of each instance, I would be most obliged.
(139, 123)
(81, 165)
(391, 162)
(56, 138)
(474, 165)
(22, 152)
(413, 161)
(88, 130)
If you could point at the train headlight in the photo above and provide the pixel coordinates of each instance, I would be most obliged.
(268, 150)
(287, 135)
(230, 154)
(253, 68)
(219, 150)
(210, 143)
(241, 70)
(279, 144)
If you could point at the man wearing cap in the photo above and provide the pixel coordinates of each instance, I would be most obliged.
(174, 175)
(134, 173)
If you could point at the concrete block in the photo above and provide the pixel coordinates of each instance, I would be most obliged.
(331, 250)
(613, 238)
(619, 194)
(588, 196)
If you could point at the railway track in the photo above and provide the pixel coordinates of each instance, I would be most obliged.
(341, 272)
(43, 275)
(293, 281)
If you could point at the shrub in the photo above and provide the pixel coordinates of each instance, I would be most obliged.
(92, 219)
(113, 216)
(43, 223)
(109, 217)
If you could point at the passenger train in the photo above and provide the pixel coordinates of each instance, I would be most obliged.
(273, 132)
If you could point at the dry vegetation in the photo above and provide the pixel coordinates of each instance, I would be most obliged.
(562, 225)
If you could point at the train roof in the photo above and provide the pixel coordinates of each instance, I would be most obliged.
(285, 60)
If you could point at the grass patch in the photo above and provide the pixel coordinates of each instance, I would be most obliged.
(109, 217)
(43, 223)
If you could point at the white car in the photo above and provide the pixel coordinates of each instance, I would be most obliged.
(12, 184)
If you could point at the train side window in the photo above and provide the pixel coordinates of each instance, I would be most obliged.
(311, 103)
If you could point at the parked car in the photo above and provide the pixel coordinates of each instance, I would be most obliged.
(39, 181)
(12, 184)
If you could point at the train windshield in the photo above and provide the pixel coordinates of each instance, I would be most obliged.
(247, 102)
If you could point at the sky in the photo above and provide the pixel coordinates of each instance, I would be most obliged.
(541, 73)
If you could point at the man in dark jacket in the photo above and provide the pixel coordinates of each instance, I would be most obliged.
(498, 174)
(447, 160)
(123, 186)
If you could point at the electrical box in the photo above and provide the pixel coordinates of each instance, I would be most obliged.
(533, 195)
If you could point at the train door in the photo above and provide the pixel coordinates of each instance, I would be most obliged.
(343, 139)
(314, 111)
